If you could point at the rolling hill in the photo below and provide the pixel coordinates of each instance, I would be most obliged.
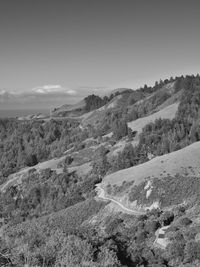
(186, 160)
(182, 163)
(168, 112)
(70, 110)
(85, 179)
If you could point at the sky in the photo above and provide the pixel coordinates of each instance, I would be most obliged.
(65, 49)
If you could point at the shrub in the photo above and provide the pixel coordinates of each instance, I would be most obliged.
(185, 221)
(31, 160)
(166, 218)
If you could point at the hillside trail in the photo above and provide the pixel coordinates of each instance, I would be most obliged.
(159, 242)
(101, 195)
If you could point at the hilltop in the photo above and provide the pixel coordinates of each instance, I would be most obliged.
(89, 103)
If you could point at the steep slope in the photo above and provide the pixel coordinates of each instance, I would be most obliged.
(70, 110)
(119, 102)
(139, 179)
(168, 112)
(171, 100)
(18, 176)
(90, 103)
(176, 162)
(160, 98)
(98, 115)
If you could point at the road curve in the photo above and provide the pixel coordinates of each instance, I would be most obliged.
(101, 194)
(159, 242)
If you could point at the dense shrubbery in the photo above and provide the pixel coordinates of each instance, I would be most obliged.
(117, 190)
(165, 136)
(100, 164)
(48, 241)
(26, 143)
(130, 107)
(44, 193)
(62, 239)
(94, 102)
(168, 191)
(125, 159)
(52, 219)
(119, 129)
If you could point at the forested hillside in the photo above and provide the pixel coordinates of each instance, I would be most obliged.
(55, 216)
(25, 143)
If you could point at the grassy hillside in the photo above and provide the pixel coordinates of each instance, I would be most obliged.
(70, 110)
(168, 112)
(78, 105)
(97, 116)
(51, 209)
(184, 162)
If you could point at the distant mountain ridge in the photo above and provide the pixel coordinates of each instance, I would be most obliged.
(89, 103)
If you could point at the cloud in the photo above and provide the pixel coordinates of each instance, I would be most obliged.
(40, 96)
(2, 92)
(53, 89)
(71, 92)
(46, 89)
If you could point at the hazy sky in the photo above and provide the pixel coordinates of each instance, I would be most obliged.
(79, 44)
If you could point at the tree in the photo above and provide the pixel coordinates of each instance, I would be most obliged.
(31, 160)
(120, 129)
(192, 251)
(126, 158)
(185, 221)
(152, 226)
(166, 218)
(133, 115)
(100, 165)
(108, 258)
(75, 252)
(176, 250)
(94, 102)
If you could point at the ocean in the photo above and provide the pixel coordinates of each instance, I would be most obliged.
(13, 113)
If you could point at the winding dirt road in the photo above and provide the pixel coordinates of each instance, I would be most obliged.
(159, 242)
(101, 194)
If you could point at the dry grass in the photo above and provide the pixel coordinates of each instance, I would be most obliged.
(81, 170)
(185, 161)
(80, 104)
(168, 112)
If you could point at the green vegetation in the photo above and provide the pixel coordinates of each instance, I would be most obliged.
(42, 242)
(94, 102)
(54, 219)
(168, 191)
(165, 136)
(28, 142)
(43, 193)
